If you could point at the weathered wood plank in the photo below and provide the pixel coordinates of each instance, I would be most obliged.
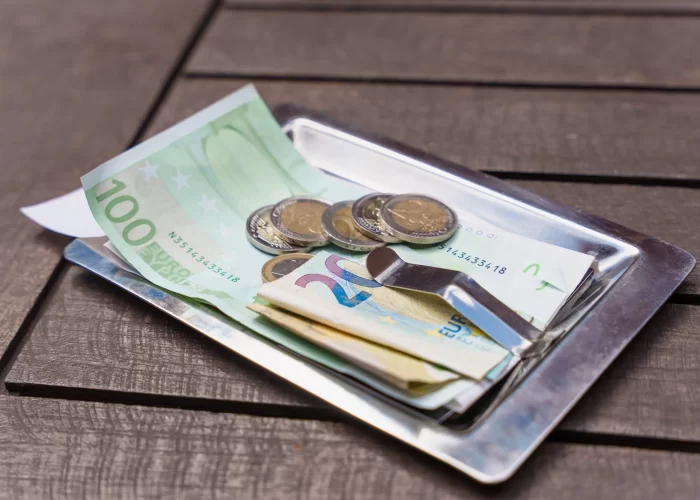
(631, 134)
(72, 449)
(95, 337)
(594, 6)
(651, 390)
(455, 47)
(78, 77)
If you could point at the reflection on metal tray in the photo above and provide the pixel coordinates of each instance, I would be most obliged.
(499, 432)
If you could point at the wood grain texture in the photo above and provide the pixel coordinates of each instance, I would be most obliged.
(595, 6)
(651, 390)
(631, 134)
(71, 449)
(455, 47)
(77, 79)
(94, 338)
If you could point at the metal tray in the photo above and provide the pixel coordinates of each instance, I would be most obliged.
(634, 276)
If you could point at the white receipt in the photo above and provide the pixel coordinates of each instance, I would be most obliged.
(68, 214)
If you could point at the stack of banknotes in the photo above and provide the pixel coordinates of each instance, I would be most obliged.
(175, 210)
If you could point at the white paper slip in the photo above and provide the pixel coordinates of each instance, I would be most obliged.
(67, 214)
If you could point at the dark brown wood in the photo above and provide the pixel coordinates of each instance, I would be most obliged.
(650, 390)
(93, 337)
(77, 79)
(455, 47)
(631, 134)
(98, 72)
(73, 449)
(596, 6)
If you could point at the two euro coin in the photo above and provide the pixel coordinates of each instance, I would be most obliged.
(291, 226)
(411, 218)
(418, 219)
(379, 218)
(299, 223)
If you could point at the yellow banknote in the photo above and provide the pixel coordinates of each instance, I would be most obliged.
(404, 372)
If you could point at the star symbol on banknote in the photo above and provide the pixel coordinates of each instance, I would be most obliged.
(388, 319)
(207, 203)
(149, 171)
(181, 180)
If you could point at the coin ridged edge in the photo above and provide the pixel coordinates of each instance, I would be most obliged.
(292, 238)
(327, 224)
(356, 212)
(257, 243)
(418, 240)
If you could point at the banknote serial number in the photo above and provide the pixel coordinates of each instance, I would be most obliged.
(201, 259)
(473, 259)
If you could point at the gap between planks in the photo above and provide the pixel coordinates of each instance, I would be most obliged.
(322, 414)
(9, 355)
(194, 74)
(543, 7)
(262, 409)
(592, 178)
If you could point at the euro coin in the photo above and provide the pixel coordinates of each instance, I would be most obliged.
(365, 213)
(419, 219)
(297, 220)
(282, 265)
(262, 236)
(341, 229)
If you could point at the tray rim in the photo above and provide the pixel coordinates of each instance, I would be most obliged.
(493, 450)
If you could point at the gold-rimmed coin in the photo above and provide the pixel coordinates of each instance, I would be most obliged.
(282, 265)
(419, 219)
(341, 229)
(365, 213)
(263, 237)
(298, 220)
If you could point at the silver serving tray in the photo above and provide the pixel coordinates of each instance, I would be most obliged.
(634, 276)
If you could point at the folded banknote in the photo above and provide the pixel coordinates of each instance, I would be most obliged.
(405, 372)
(341, 294)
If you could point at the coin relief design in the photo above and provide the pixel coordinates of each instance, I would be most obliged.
(418, 219)
(365, 213)
(341, 229)
(419, 215)
(298, 220)
(281, 266)
(263, 237)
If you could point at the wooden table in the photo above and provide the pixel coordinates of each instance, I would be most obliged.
(593, 103)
